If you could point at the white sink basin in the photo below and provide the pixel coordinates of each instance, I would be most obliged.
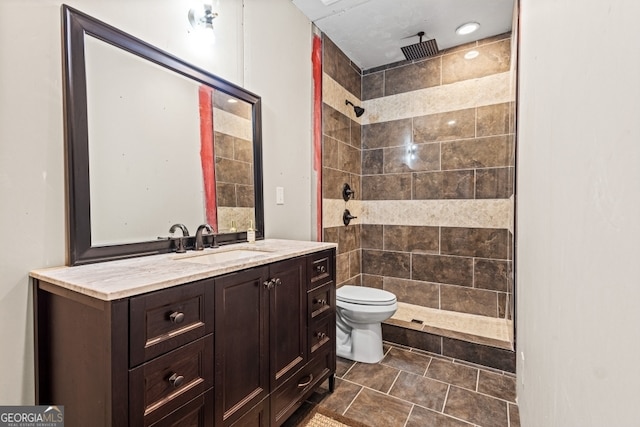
(225, 256)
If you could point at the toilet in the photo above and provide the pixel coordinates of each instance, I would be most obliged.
(359, 312)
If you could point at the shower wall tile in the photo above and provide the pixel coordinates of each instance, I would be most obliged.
(350, 159)
(415, 292)
(386, 187)
(493, 119)
(349, 238)
(356, 135)
(342, 268)
(245, 196)
(371, 236)
(382, 263)
(409, 238)
(495, 183)
(338, 66)
(493, 58)
(355, 258)
(444, 185)
(486, 152)
(330, 152)
(469, 300)
(502, 305)
(452, 125)
(491, 274)
(372, 162)
(233, 171)
(474, 242)
(386, 134)
(412, 157)
(333, 181)
(372, 281)
(413, 76)
(335, 124)
(225, 194)
(373, 85)
(442, 269)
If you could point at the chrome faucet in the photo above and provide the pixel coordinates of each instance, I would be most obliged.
(199, 241)
(185, 233)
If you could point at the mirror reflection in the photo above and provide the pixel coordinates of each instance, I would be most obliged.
(153, 141)
(157, 143)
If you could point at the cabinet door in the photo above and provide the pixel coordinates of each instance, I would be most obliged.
(241, 343)
(287, 319)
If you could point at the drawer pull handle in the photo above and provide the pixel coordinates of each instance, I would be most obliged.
(176, 317)
(321, 335)
(306, 383)
(321, 269)
(321, 301)
(176, 380)
(272, 283)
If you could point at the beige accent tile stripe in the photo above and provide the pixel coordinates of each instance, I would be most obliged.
(230, 124)
(492, 213)
(472, 93)
(335, 96)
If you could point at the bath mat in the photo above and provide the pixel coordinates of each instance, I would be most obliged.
(320, 417)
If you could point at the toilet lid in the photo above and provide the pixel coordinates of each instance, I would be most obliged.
(364, 295)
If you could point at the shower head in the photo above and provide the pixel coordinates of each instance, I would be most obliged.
(358, 110)
(421, 49)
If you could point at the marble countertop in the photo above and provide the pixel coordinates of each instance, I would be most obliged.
(124, 278)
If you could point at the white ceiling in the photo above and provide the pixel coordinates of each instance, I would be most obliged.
(371, 32)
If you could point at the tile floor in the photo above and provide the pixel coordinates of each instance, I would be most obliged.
(412, 388)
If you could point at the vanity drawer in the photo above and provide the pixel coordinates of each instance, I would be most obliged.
(320, 302)
(321, 267)
(287, 398)
(163, 385)
(164, 320)
(321, 335)
(196, 413)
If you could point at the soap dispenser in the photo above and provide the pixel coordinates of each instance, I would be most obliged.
(251, 233)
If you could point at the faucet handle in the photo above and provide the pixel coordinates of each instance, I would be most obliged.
(185, 233)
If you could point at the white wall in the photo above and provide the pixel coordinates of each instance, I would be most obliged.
(278, 67)
(578, 213)
(32, 201)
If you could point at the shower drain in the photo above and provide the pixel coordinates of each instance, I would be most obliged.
(417, 321)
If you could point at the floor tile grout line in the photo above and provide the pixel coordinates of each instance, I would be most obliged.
(353, 400)
(508, 416)
(477, 380)
(446, 396)
(409, 416)
(427, 368)
(393, 383)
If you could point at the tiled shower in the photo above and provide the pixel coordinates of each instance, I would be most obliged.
(432, 165)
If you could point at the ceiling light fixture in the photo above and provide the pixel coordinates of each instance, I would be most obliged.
(471, 54)
(201, 17)
(467, 28)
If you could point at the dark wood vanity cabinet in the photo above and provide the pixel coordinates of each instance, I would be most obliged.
(243, 349)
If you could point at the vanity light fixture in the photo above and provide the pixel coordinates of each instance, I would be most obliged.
(201, 17)
(358, 110)
(467, 28)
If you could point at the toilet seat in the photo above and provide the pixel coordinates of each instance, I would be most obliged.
(363, 295)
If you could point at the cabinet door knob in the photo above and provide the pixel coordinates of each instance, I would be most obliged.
(307, 382)
(268, 284)
(176, 317)
(321, 301)
(277, 281)
(321, 268)
(176, 380)
(320, 335)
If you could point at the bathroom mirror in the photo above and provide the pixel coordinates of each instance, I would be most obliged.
(152, 141)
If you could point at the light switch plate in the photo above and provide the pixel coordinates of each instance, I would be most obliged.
(279, 195)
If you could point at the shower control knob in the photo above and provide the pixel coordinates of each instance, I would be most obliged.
(347, 217)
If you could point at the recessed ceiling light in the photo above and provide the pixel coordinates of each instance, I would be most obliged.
(471, 54)
(467, 28)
